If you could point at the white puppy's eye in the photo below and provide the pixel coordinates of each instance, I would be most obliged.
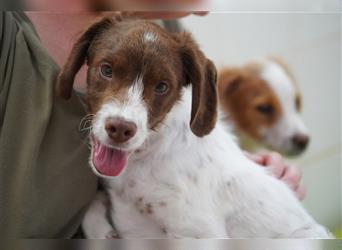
(265, 109)
(161, 88)
(106, 70)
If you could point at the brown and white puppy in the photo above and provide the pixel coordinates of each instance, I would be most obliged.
(263, 102)
(171, 170)
(136, 72)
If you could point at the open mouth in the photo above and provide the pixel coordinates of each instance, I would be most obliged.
(108, 161)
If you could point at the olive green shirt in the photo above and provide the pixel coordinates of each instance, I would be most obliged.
(45, 180)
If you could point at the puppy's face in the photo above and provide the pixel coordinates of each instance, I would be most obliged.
(136, 72)
(132, 83)
(264, 103)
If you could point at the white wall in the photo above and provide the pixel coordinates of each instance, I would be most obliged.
(310, 43)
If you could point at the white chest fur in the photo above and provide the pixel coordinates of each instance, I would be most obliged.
(180, 185)
(176, 177)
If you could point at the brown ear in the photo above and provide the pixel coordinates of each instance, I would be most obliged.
(229, 81)
(201, 73)
(79, 54)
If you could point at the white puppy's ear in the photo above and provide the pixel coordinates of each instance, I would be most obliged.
(229, 81)
(201, 73)
(79, 55)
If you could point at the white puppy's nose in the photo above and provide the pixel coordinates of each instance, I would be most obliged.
(300, 141)
(120, 130)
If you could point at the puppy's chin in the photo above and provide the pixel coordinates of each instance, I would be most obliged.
(107, 160)
(292, 151)
(285, 149)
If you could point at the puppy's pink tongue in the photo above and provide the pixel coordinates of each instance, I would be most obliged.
(108, 161)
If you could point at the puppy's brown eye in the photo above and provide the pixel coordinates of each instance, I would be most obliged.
(265, 109)
(106, 70)
(161, 88)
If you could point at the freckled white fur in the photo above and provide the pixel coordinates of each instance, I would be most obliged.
(208, 187)
(150, 37)
(290, 123)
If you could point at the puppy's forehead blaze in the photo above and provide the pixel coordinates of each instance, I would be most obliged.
(137, 39)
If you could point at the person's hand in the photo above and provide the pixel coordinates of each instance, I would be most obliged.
(278, 168)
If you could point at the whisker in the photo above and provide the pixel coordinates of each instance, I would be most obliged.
(85, 120)
(87, 128)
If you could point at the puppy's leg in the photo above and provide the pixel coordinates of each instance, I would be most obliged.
(95, 223)
(266, 207)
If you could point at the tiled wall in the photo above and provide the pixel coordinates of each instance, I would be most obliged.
(310, 43)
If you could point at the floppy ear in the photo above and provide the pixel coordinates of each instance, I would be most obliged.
(79, 54)
(229, 81)
(201, 73)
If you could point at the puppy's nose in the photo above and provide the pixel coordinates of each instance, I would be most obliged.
(301, 141)
(120, 130)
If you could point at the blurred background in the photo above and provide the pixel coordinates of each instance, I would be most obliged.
(310, 44)
(275, 5)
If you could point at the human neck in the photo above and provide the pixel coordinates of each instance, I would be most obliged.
(59, 31)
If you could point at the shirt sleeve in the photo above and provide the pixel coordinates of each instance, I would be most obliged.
(43, 155)
(8, 31)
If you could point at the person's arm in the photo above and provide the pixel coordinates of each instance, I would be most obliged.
(8, 31)
(277, 167)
